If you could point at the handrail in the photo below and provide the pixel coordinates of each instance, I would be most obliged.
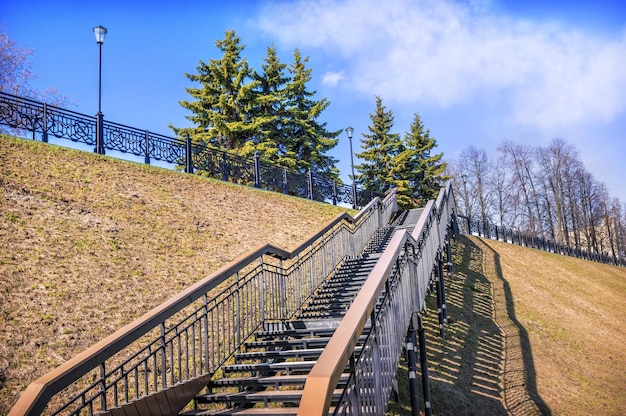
(326, 373)
(323, 378)
(37, 395)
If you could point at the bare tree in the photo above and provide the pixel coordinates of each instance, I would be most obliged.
(558, 163)
(520, 158)
(589, 190)
(476, 166)
(498, 178)
(16, 73)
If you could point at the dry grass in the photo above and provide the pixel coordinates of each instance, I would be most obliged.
(530, 333)
(88, 243)
(573, 314)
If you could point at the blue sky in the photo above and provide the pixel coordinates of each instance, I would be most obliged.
(478, 72)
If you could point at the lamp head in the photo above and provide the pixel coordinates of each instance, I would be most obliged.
(100, 32)
(349, 130)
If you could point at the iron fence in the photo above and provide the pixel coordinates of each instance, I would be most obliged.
(526, 239)
(45, 121)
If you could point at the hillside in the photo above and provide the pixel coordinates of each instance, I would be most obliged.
(88, 243)
(530, 333)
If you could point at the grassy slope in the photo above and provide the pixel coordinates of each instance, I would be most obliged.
(573, 312)
(88, 243)
(530, 333)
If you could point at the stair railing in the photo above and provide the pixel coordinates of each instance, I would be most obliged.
(401, 278)
(165, 357)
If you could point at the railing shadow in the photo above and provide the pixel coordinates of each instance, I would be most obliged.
(473, 371)
(521, 392)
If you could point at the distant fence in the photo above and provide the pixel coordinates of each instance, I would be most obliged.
(513, 236)
(45, 120)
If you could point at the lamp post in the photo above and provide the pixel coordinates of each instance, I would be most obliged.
(350, 130)
(100, 32)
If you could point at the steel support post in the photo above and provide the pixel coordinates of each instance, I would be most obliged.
(440, 301)
(411, 353)
(424, 366)
(450, 270)
(442, 279)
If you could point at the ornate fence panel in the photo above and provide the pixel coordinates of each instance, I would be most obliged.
(22, 114)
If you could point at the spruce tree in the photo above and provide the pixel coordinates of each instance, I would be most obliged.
(380, 147)
(417, 174)
(222, 104)
(306, 140)
(268, 114)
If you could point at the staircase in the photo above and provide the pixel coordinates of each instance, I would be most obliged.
(268, 375)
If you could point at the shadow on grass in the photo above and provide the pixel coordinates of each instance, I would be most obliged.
(521, 376)
(468, 371)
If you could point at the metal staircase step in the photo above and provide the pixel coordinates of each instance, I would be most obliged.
(264, 396)
(293, 353)
(287, 366)
(289, 343)
(275, 381)
(245, 411)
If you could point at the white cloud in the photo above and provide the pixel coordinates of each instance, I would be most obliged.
(332, 78)
(445, 53)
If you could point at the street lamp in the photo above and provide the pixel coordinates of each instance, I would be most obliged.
(100, 33)
(350, 130)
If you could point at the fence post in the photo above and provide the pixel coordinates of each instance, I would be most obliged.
(257, 170)
(147, 150)
(99, 134)
(309, 175)
(224, 167)
(44, 136)
(188, 158)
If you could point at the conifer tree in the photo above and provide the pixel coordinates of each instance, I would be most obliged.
(380, 147)
(417, 174)
(269, 111)
(306, 139)
(222, 104)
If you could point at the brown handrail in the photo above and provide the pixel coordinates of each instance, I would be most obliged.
(324, 376)
(37, 395)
